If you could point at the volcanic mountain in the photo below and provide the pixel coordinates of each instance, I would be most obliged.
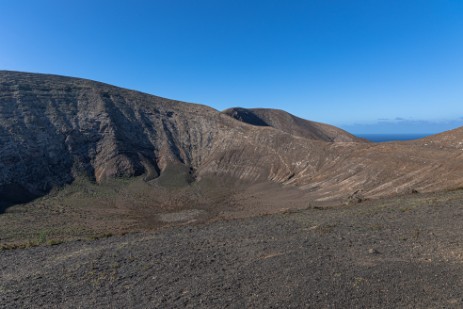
(54, 130)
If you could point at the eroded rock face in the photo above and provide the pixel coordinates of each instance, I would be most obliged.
(54, 129)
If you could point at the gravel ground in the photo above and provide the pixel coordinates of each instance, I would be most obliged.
(400, 253)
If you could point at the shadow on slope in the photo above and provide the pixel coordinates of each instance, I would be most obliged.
(13, 194)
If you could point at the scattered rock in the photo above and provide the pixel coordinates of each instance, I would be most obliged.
(355, 198)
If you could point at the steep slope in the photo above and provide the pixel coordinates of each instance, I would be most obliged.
(56, 129)
(291, 124)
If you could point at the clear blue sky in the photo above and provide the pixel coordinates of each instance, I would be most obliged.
(367, 66)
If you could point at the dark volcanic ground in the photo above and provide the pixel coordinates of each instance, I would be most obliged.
(398, 253)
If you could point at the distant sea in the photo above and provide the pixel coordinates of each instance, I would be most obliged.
(380, 138)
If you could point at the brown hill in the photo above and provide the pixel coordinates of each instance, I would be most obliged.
(56, 129)
(448, 139)
(291, 124)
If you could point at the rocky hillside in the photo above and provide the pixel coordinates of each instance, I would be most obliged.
(448, 139)
(55, 129)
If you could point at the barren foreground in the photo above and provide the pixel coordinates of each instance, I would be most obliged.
(397, 253)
